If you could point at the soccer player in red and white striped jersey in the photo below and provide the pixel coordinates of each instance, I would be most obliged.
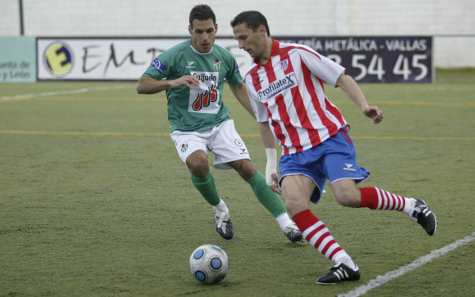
(286, 88)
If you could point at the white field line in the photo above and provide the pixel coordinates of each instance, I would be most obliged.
(86, 90)
(388, 276)
(55, 93)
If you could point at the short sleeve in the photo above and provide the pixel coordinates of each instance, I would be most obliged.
(321, 66)
(160, 66)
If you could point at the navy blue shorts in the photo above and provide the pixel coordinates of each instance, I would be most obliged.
(333, 160)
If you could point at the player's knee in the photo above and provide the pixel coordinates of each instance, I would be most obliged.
(245, 168)
(294, 202)
(294, 206)
(348, 196)
(198, 164)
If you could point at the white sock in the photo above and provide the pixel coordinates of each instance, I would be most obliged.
(343, 257)
(284, 221)
(221, 206)
(409, 206)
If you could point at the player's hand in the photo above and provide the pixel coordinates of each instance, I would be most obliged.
(275, 183)
(374, 113)
(186, 80)
(269, 173)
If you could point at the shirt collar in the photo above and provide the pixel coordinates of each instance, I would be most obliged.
(200, 53)
(275, 47)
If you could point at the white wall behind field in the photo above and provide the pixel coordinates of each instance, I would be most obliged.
(9, 18)
(448, 20)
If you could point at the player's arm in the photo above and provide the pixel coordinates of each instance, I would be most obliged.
(148, 85)
(240, 92)
(354, 92)
(334, 74)
(271, 155)
(268, 140)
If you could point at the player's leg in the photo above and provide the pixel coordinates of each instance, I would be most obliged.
(343, 172)
(264, 194)
(269, 199)
(347, 194)
(416, 209)
(192, 151)
(297, 191)
(197, 164)
(230, 151)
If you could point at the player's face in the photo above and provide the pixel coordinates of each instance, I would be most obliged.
(203, 34)
(252, 41)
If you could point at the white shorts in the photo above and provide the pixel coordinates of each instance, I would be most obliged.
(222, 140)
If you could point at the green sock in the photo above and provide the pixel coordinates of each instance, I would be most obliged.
(207, 188)
(271, 201)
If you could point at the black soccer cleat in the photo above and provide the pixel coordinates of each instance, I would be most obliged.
(293, 234)
(337, 274)
(425, 217)
(224, 226)
(226, 230)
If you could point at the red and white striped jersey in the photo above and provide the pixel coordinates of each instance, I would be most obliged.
(288, 92)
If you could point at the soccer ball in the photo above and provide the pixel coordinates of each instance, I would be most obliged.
(209, 264)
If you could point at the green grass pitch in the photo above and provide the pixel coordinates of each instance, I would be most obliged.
(95, 202)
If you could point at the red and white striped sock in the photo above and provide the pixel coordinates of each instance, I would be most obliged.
(317, 235)
(375, 198)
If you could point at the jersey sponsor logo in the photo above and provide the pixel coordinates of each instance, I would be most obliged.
(205, 98)
(160, 66)
(277, 86)
(205, 76)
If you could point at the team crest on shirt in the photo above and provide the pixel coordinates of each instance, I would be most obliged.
(217, 64)
(284, 64)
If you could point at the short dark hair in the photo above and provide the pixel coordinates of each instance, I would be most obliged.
(202, 12)
(252, 18)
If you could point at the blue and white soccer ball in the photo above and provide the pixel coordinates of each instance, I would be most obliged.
(209, 264)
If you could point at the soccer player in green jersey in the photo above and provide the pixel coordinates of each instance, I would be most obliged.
(193, 73)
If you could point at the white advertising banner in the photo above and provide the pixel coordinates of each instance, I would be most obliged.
(372, 59)
(109, 58)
